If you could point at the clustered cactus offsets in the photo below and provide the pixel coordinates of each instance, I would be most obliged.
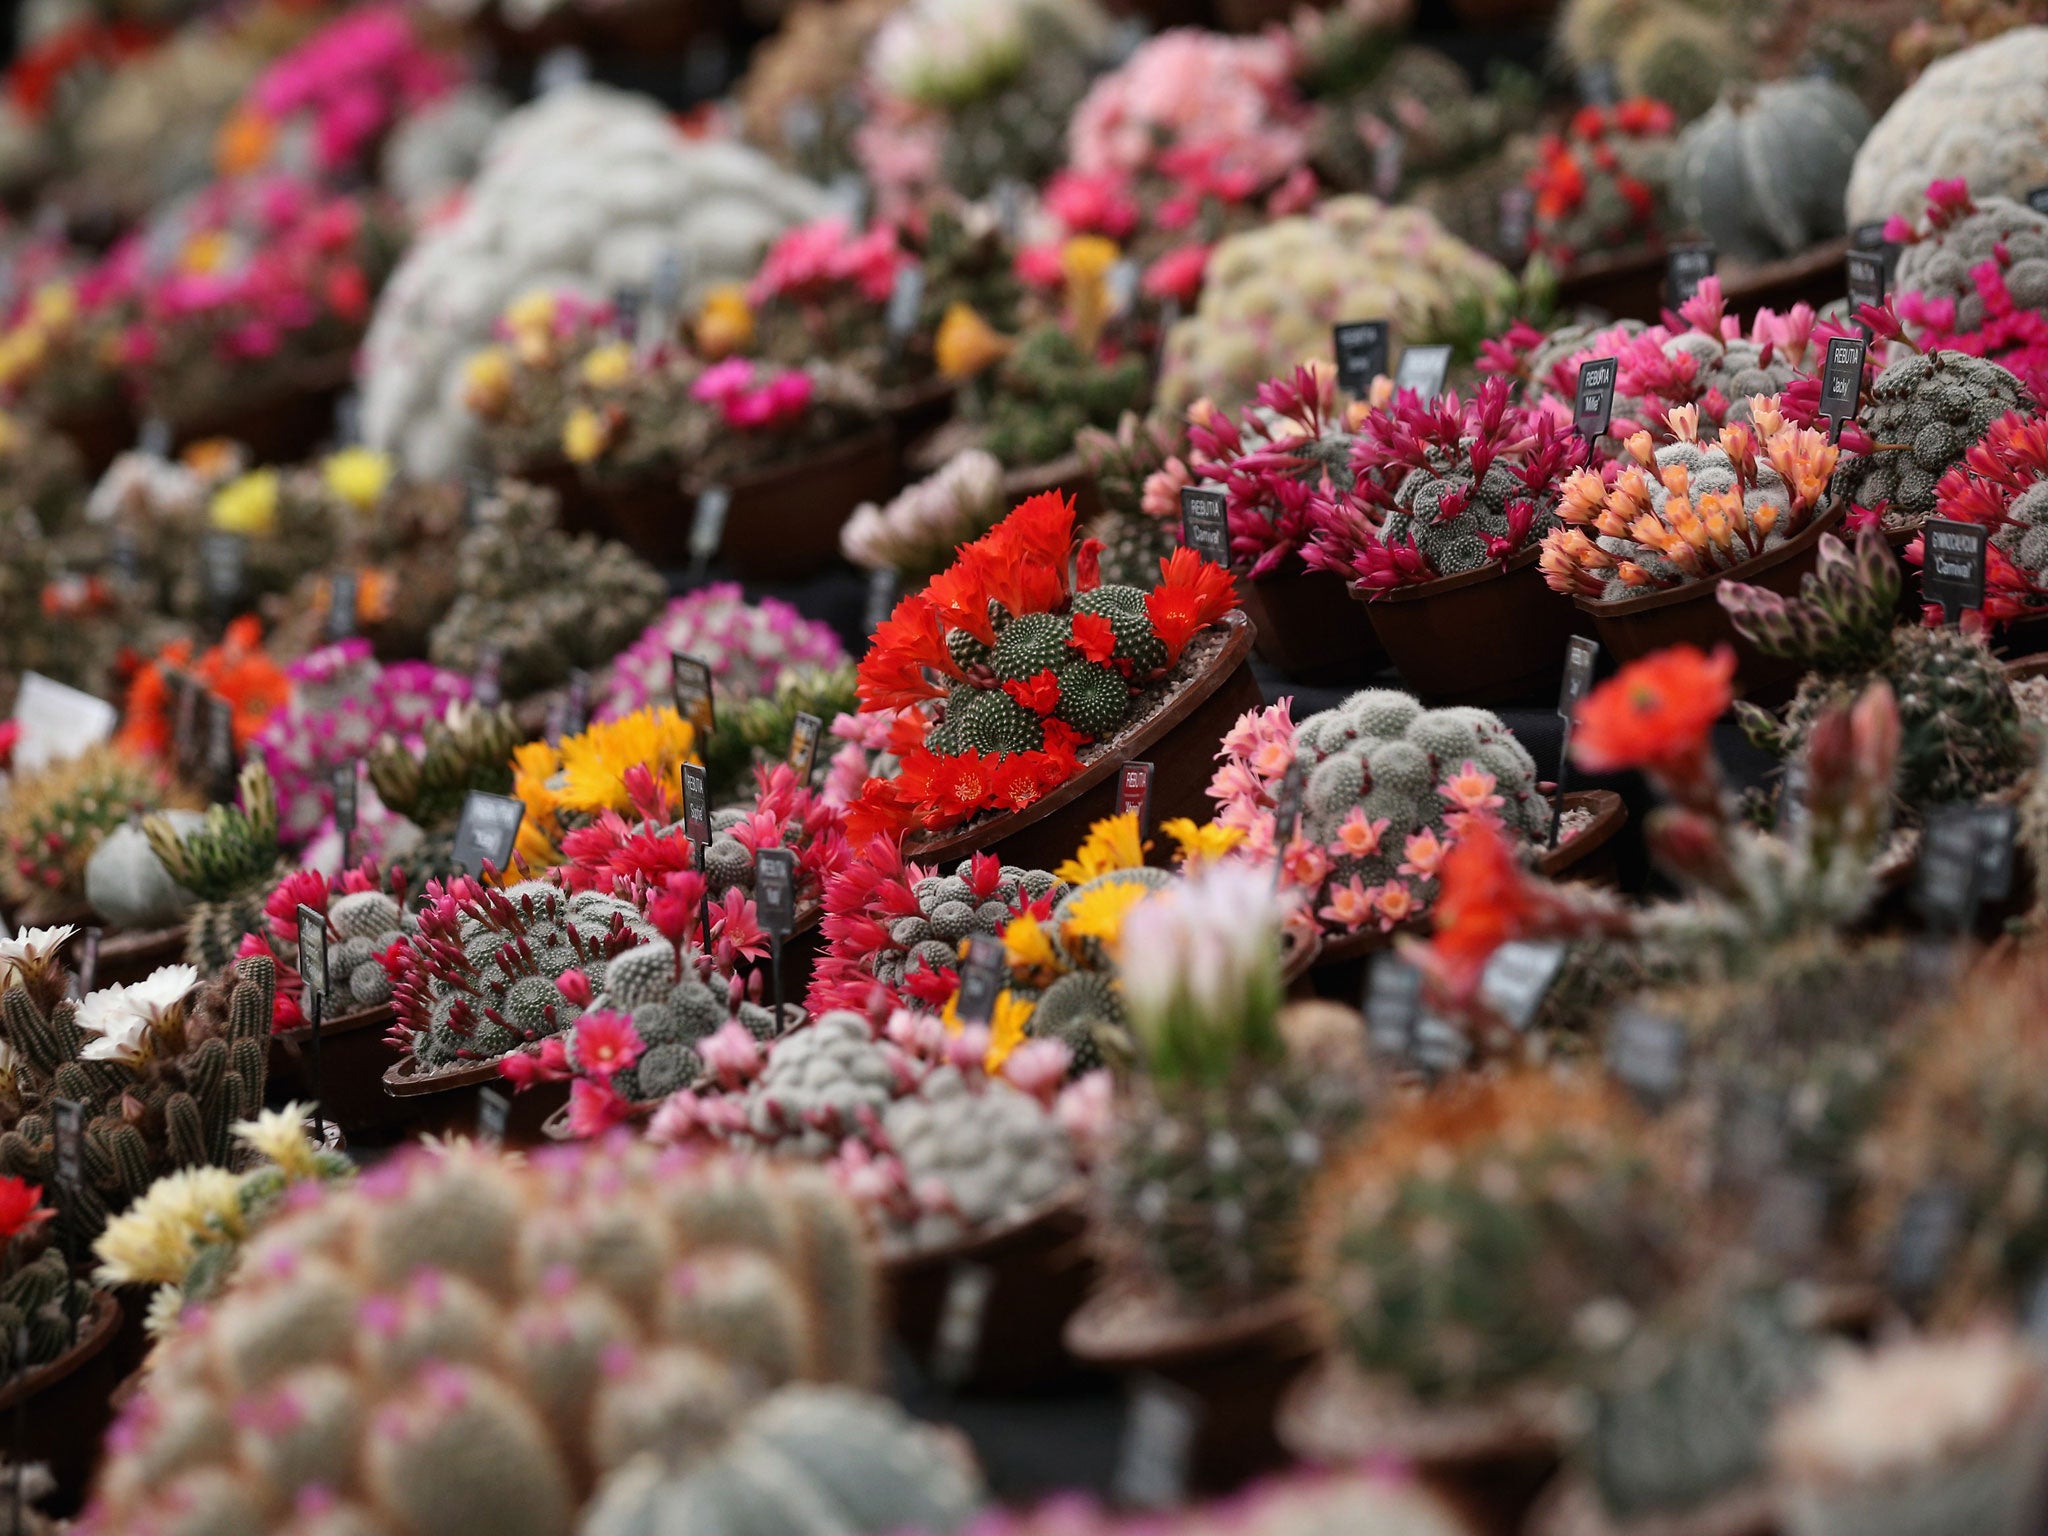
(463, 1343)
(547, 602)
(1138, 470)
(366, 917)
(1961, 735)
(1975, 280)
(2002, 483)
(748, 646)
(1387, 788)
(468, 748)
(229, 860)
(480, 976)
(1019, 656)
(1603, 183)
(54, 819)
(164, 1075)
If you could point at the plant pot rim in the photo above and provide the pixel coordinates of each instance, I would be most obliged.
(1337, 1413)
(870, 437)
(1688, 591)
(556, 1126)
(1571, 1506)
(1610, 815)
(1422, 591)
(97, 1329)
(925, 847)
(1067, 1206)
(1298, 954)
(2019, 668)
(1101, 1334)
(1032, 479)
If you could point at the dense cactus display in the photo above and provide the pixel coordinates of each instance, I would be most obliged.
(748, 646)
(1924, 413)
(470, 748)
(1961, 734)
(229, 861)
(1604, 182)
(55, 818)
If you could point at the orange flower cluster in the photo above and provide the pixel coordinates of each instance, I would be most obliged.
(1655, 713)
(1696, 532)
(238, 669)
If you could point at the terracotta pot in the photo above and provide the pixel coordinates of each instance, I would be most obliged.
(1492, 1458)
(1309, 628)
(128, 955)
(1068, 475)
(1572, 1506)
(1631, 627)
(1588, 857)
(1235, 1368)
(286, 424)
(1179, 741)
(100, 434)
(1039, 1271)
(1490, 636)
(446, 1103)
(1299, 952)
(784, 525)
(354, 1054)
(69, 1404)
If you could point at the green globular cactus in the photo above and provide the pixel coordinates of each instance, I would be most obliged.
(1049, 388)
(1960, 728)
(674, 1003)
(199, 1068)
(1136, 530)
(40, 1304)
(756, 731)
(998, 1154)
(547, 602)
(1734, 183)
(1683, 1417)
(470, 749)
(1924, 413)
(811, 1457)
(1678, 51)
(1454, 1251)
(468, 1343)
(361, 926)
(54, 820)
(229, 861)
(478, 978)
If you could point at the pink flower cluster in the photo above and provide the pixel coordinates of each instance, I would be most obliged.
(2012, 332)
(310, 888)
(754, 396)
(813, 260)
(1267, 464)
(748, 646)
(353, 79)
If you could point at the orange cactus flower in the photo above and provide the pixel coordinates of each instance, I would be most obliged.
(911, 639)
(1483, 900)
(1654, 713)
(1192, 594)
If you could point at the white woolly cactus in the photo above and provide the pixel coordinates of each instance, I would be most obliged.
(1271, 295)
(1980, 115)
(460, 1343)
(1939, 265)
(997, 1154)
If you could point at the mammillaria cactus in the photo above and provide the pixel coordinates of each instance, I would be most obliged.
(1603, 183)
(1921, 416)
(624, 191)
(1138, 471)
(1202, 1188)
(1960, 726)
(1897, 1440)
(1690, 509)
(164, 1076)
(995, 1151)
(1680, 51)
(479, 977)
(2002, 482)
(915, 534)
(546, 602)
(1731, 182)
(1423, 1245)
(363, 921)
(1387, 788)
(1980, 115)
(1975, 280)
(1439, 489)
(54, 819)
(1019, 666)
(229, 861)
(747, 645)
(657, 1296)
(1050, 385)
(1272, 294)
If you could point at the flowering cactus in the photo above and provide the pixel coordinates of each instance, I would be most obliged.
(1601, 184)
(916, 534)
(822, 289)
(748, 647)
(2002, 483)
(1691, 508)
(1974, 278)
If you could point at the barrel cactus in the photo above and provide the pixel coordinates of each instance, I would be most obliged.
(1924, 413)
(1679, 51)
(465, 1343)
(1762, 174)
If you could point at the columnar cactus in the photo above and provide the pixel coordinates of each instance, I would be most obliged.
(1961, 734)
(465, 1343)
(164, 1077)
(40, 1306)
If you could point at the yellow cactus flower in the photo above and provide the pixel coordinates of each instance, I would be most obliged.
(206, 251)
(1005, 1027)
(212, 458)
(156, 1239)
(1085, 261)
(359, 476)
(608, 366)
(487, 381)
(1028, 948)
(594, 763)
(1111, 843)
(1099, 915)
(1201, 845)
(725, 322)
(279, 1136)
(967, 344)
(55, 306)
(1088, 258)
(532, 313)
(584, 435)
(247, 505)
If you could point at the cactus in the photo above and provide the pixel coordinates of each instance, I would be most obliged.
(363, 923)
(1454, 1250)
(1049, 388)
(1972, 280)
(1224, 1127)
(1605, 183)
(1730, 182)
(1923, 415)
(1680, 51)
(55, 818)
(652, 1300)
(185, 1070)
(755, 732)
(548, 603)
(1961, 734)
(471, 748)
(914, 535)
(229, 861)
(995, 1152)
(749, 646)
(1683, 1416)
(41, 1305)
(673, 1008)
(1138, 471)
(479, 977)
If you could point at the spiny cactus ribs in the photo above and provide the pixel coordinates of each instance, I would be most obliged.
(479, 978)
(471, 748)
(204, 1071)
